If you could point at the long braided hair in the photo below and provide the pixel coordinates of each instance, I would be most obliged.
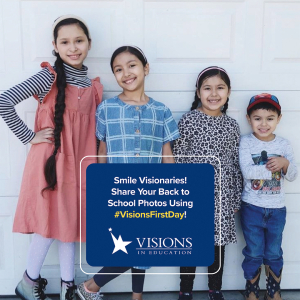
(50, 166)
(211, 71)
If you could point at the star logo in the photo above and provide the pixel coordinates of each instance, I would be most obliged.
(119, 243)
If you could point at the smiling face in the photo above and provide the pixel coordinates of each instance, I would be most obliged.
(129, 72)
(263, 123)
(72, 45)
(213, 94)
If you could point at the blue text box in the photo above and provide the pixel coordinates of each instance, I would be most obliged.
(150, 215)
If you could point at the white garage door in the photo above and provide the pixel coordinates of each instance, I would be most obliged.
(256, 41)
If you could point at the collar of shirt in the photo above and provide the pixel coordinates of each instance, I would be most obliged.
(77, 76)
(135, 107)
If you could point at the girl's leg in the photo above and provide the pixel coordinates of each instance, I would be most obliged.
(37, 252)
(91, 288)
(187, 281)
(101, 279)
(32, 286)
(66, 253)
(94, 284)
(138, 278)
(215, 280)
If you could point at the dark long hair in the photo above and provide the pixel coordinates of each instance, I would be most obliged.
(50, 166)
(133, 50)
(211, 71)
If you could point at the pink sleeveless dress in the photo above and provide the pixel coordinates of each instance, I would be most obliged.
(56, 214)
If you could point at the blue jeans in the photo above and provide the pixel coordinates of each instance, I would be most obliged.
(262, 228)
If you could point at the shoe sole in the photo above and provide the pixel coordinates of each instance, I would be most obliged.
(80, 295)
(22, 297)
(209, 297)
(19, 295)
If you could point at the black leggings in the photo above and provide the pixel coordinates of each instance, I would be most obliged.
(214, 281)
(138, 277)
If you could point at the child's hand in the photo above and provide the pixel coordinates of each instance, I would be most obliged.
(43, 136)
(276, 164)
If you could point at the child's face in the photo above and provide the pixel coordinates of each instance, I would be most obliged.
(213, 94)
(129, 71)
(72, 45)
(263, 123)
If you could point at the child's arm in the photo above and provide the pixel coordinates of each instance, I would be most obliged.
(102, 151)
(181, 145)
(101, 132)
(38, 84)
(166, 150)
(43, 136)
(248, 168)
(277, 164)
(291, 172)
(286, 164)
(170, 133)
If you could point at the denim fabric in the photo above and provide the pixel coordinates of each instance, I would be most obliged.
(138, 131)
(262, 228)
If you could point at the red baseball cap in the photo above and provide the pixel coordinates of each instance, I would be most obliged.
(264, 98)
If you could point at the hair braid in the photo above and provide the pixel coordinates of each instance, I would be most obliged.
(196, 102)
(224, 109)
(50, 166)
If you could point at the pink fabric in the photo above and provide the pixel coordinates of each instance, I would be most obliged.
(56, 214)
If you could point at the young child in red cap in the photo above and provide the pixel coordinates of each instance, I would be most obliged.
(265, 160)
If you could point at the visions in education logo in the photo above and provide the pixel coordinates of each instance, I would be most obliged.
(164, 246)
(156, 246)
(119, 243)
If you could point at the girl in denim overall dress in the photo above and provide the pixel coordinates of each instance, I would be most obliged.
(132, 128)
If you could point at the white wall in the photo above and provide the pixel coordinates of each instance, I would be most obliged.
(256, 41)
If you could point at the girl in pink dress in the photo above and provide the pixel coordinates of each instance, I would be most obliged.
(64, 133)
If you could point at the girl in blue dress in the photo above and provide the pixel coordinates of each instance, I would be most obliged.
(132, 128)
